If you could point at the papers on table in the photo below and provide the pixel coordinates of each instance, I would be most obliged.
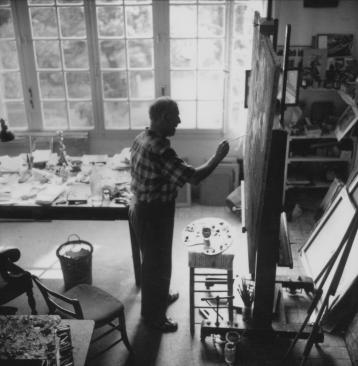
(12, 164)
(94, 159)
(49, 194)
(41, 156)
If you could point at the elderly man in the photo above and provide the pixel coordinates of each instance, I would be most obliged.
(157, 173)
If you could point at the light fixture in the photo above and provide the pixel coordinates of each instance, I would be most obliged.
(5, 135)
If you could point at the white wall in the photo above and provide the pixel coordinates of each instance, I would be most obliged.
(306, 22)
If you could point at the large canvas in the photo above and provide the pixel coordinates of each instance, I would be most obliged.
(262, 98)
(263, 174)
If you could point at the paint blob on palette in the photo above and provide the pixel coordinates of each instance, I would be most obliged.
(211, 235)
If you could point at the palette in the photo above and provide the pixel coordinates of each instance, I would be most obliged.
(211, 235)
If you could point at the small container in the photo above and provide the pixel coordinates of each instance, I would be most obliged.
(230, 353)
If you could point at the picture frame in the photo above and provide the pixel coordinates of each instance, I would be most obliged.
(336, 44)
(346, 121)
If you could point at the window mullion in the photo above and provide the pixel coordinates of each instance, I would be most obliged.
(161, 47)
(94, 65)
(27, 64)
(229, 19)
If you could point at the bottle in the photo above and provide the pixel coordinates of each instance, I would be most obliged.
(230, 353)
(96, 186)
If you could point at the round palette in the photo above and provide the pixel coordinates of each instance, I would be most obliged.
(212, 235)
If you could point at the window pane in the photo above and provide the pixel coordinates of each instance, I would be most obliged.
(6, 24)
(116, 115)
(16, 115)
(182, 53)
(211, 21)
(41, 2)
(81, 115)
(139, 21)
(110, 21)
(73, 2)
(72, 20)
(112, 54)
(141, 84)
(55, 115)
(239, 19)
(47, 54)
(4, 2)
(44, 22)
(140, 53)
(78, 84)
(115, 84)
(109, 1)
(8, 55)
(51, 84)
(210, 85)
(12, 85)
(210, 114)
(211, 53)
(183, 21)
(139, 114)
(183, 84)
(75, 54)
(187, 114)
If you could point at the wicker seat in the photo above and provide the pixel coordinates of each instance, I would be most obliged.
(85, 301)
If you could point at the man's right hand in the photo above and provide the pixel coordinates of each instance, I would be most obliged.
(222, 150)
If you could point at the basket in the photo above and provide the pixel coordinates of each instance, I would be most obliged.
(76, 261)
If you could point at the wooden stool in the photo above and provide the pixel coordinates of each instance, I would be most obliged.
(223, 275)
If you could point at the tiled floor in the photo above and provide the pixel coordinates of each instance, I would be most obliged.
(112, 270)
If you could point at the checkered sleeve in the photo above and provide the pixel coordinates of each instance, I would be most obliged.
(174, 169)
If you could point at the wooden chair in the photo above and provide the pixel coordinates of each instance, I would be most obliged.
(14, 281)
(88, 302)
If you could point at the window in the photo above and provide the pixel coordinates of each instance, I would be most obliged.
(98, 64)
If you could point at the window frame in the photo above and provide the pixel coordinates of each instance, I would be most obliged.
(161, 60)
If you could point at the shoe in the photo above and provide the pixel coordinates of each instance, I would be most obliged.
(165, 326)
(172, 297)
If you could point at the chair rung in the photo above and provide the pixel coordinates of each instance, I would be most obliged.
(105, 333)
(106, 349)
(210, 291)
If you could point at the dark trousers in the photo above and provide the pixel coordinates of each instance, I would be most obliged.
(152, 224)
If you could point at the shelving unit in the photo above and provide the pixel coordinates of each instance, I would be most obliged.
(313, 162)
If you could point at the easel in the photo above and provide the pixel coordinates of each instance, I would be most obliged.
(344, 248)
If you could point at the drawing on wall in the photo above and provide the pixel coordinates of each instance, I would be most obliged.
(314, 65)
(336, 44)
(347, 120)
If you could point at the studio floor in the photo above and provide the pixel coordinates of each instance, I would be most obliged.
(112, 270)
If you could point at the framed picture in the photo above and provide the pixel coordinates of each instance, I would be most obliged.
(247, 87)
(315, 63)
(292, 86)
(295, 55)
(336, 44)
(346, 121)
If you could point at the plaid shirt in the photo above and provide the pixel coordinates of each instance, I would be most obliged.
(156, 170)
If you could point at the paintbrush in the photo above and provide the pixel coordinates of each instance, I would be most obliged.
(235, 138)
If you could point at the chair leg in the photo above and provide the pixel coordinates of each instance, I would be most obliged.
(122, 325)
(31, 301)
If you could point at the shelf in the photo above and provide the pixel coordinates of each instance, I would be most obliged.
(306, 137)
(308, 186)
(316, 159)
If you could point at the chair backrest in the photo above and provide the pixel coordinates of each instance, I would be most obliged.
(59, 304)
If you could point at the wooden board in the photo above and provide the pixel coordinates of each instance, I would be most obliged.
(262, 99)
(263, 174)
